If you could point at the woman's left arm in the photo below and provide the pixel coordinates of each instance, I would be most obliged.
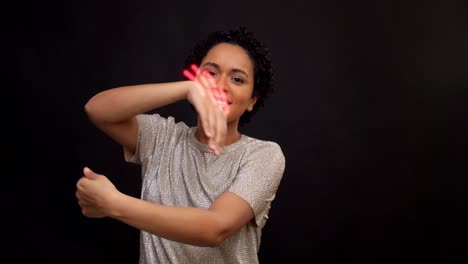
(98, 197)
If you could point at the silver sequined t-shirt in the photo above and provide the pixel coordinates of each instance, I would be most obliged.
(178, 170)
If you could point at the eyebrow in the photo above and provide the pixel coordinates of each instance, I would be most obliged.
(215, 65)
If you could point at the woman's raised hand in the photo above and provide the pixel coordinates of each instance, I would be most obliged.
(211, 105)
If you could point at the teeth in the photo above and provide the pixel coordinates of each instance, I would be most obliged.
(222, 103)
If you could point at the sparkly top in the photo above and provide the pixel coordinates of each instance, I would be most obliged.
(178, 170)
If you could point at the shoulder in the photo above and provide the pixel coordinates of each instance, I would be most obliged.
(265, 149)
(261, 144)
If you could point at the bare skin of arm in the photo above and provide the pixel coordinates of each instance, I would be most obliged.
(113, 111)
(98, 197)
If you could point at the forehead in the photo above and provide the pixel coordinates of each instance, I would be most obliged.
(230, 56)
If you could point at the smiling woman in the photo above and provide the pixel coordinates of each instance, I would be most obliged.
(206, 190)
(230, 70)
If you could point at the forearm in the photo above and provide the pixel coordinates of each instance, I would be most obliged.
(120, 104)
(195, 226)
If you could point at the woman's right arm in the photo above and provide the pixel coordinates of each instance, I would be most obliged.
(114, 111)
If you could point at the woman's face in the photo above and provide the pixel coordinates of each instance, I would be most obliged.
(233, 71)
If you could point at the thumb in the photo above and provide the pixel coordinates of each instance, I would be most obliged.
(88, 173)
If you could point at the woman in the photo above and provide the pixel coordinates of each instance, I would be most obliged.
(206, 190)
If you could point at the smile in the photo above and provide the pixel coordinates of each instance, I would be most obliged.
(222, 103)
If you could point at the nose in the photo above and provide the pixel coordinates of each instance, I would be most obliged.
(223, 83)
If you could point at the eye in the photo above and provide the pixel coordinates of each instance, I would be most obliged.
(212, 73)
(237, 80)
(209, 73)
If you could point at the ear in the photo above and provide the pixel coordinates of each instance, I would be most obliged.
(252, 103)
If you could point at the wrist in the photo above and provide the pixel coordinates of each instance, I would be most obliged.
(116, 205)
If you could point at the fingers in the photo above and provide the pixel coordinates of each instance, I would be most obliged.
(87, 203)
(217, 141)
(88, 173)
(206, 117)
(82, 196)
(191, 72)
(189, 75)
(211, 105)
(83, 202)
(208, 85)
(214, 125)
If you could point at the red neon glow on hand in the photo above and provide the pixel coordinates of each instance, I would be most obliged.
(191, 75)
(207, 81)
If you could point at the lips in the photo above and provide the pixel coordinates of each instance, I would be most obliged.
(222, 101)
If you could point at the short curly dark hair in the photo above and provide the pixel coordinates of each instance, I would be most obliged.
(258, 52)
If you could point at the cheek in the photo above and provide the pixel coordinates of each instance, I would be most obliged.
(244, 100)
(244, 94)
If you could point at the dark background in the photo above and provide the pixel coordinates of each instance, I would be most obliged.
(370, 111)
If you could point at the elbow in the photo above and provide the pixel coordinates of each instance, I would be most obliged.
(214, 241)
(89, 108)
(92, 110)
(216, 236)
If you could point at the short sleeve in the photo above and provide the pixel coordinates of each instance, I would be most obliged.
(151, 130)
(259, 178)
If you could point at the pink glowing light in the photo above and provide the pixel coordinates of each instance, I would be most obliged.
(209, 84)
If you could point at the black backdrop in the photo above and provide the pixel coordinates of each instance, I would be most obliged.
(370, 112)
